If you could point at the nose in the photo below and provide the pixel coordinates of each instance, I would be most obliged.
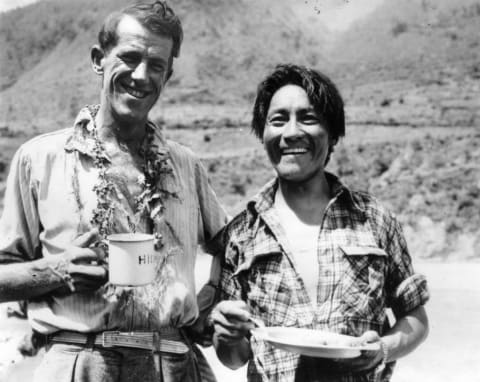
(292, 130)
(140, 73)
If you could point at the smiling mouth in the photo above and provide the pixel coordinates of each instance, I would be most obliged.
(294, 151)
(134, 92)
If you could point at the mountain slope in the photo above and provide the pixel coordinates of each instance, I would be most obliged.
(414, 62)
(228, 47)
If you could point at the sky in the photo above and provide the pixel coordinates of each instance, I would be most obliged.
(337, 15)
(5, 5)
(341, 13)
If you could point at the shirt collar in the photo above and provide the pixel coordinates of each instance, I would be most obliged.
(342, 192)
(265, 198)
(82, 139)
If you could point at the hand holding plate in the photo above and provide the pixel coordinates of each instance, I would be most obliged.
(368, 359)
(232, 321)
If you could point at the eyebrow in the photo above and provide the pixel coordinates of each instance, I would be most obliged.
(132, 52)
(287, 111)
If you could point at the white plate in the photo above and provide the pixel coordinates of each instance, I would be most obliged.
(313, 343)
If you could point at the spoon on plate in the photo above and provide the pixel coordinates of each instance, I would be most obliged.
(257, 322)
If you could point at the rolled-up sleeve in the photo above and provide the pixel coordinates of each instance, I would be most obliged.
(406, 290)
(410, 294)
(19, 224)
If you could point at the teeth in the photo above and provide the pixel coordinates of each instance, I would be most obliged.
(135, 93)
(298, 150)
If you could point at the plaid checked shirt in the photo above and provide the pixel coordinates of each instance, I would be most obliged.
(364, 268)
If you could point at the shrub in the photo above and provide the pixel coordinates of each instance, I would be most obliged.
(238, 187)
(399, 28)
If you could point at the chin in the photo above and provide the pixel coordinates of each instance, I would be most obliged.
(291, 177)
(130, 114)
(290, 173)
(296, 177)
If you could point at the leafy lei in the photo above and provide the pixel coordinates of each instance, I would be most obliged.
(149, 203)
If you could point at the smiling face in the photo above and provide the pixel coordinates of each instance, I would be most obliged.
(134, 71)
(295, 137)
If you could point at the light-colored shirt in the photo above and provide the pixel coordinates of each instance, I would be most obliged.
(303, 239)
(49, 201)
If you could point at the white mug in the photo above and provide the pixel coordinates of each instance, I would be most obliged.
(132, 259)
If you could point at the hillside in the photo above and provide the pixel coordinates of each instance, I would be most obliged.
(222, 58)
(429, 177)
(419, 56)
(419, 40)
(409, 72)
(410, 75)
(414, 62)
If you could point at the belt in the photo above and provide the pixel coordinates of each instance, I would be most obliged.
(166, 341)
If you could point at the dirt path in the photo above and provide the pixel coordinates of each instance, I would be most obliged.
(450, 353)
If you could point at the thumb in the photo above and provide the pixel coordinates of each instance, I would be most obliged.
(87, 238)
(369, 337)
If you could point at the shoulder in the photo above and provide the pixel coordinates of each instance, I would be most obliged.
(187, 163)
(229, 240)
(381, 219)
(239, 228)
(371, 206)
(181, 152)
(234, 229)
(183, 158)
(240, 223)
(44, 146)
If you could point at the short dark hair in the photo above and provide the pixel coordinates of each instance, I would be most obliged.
(157, 17)
(321, 91)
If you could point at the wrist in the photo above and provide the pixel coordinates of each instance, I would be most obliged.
(233, 354)
(60, 274)
(383, 362)
(218, 339)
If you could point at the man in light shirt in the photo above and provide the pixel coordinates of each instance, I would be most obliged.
(309, 252)
(112, 172)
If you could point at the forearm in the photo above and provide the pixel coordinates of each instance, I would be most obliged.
(232, 355)
(22, 281)
(407, 333)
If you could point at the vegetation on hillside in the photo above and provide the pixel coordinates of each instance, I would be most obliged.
(406, 54)
(30, 34)
(431, 182)
(407, 69)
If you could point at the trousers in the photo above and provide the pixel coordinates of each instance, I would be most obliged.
(77, 363)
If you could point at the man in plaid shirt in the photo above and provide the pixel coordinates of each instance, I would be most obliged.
(308, 252)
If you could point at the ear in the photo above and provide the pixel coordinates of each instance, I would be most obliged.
(168, 74)
(169, 69)
(332, 142)
(97, 55)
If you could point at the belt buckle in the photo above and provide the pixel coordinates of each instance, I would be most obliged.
(156, 342)
(106, 338)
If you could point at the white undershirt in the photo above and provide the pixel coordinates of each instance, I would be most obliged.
(303, 244)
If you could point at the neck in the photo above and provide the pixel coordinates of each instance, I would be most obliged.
(109, 127)
(307, 199)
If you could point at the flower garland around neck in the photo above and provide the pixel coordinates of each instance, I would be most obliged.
(149, 203)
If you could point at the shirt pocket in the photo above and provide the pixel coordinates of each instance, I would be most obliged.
(269, 294)
(363, 281)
